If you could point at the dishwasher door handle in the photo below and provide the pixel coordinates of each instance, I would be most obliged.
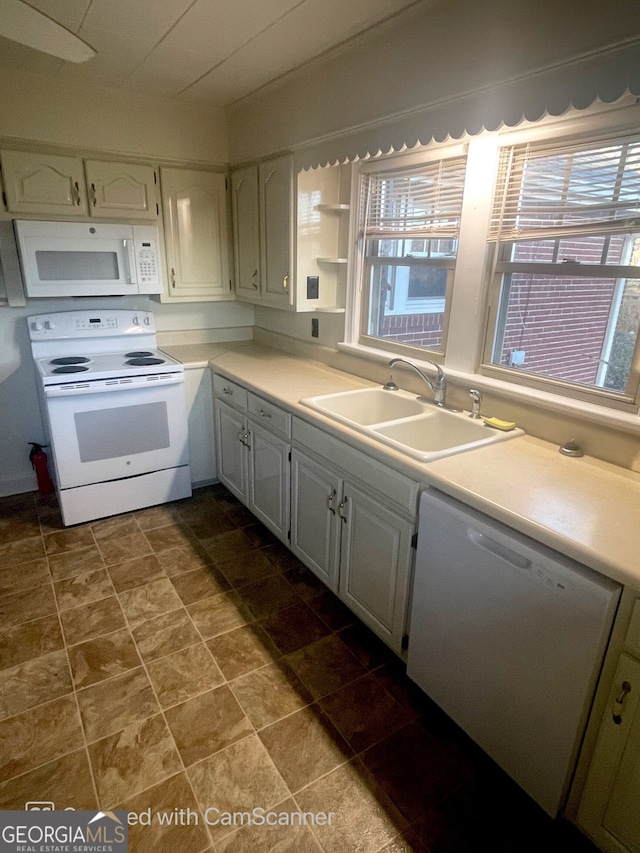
(497, 548)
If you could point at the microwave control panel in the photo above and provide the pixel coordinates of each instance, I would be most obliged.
(147, 262)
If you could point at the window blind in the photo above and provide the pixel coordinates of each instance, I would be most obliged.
(422, 202)
(559, 190)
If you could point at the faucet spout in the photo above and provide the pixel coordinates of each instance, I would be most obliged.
(438, 387)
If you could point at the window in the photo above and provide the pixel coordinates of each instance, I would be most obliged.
(565, 232)
(409, 221)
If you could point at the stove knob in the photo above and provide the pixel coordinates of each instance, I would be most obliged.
(37, 326)
(147, 320)
(135, 320)
(49, 324)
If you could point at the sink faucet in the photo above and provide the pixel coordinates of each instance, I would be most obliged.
(438, 388)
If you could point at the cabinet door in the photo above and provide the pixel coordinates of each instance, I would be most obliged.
(202, 457)
(609, 805)
(121, 190)
(269, 480)
(276, 204)
(230, 450)
(375, 563)
(246, 231)
(196, 234)
(314, 525)
(45, 184)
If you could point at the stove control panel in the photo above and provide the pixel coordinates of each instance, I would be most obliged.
(90, 324)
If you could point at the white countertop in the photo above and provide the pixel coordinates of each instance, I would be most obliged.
(582, 507)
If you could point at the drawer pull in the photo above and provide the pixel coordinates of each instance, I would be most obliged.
(618, 703)
(265, 414)
(228, 391)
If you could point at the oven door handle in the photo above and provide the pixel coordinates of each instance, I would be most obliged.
(103, 386)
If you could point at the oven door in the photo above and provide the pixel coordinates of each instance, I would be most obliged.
(112, 429)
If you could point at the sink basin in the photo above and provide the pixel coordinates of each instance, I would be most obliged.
(367, 405)
(438, 433)
(406, 423)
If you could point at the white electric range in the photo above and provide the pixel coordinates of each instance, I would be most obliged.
(115, 411)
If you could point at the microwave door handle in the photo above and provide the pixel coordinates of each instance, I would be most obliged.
(130, 259)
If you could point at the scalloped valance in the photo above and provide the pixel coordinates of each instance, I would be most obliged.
(601, 78)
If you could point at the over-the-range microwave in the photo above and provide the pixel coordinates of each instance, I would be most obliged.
(88, 258)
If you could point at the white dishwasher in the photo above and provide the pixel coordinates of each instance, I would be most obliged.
(508, 637)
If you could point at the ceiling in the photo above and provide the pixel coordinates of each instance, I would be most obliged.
(208, 51)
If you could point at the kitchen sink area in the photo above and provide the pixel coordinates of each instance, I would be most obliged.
(408, 423)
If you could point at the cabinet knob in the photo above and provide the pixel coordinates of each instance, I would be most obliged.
(618, 702)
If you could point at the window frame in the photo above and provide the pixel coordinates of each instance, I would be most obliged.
(499, 252)
(360, 287)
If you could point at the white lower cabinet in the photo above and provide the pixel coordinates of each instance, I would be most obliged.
(349, 518)
(609, 810)
(253, 448)
(315, 534)
(352, 524)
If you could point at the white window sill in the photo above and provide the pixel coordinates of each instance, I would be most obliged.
(601, 415)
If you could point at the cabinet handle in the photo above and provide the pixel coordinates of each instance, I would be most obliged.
(94, 195)
(247, 438)
(173, 277)
(265, 414)
(330, 500)
(343, 505)
(76, 193)
(285, 282)
(253, 279)
(618, 703)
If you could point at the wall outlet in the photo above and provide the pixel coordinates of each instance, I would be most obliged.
(313, 286)
(314, 327)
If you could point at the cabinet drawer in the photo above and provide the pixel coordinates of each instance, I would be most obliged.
(230, 391)
(271, 416)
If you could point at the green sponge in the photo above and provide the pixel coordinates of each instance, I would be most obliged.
(496, 423)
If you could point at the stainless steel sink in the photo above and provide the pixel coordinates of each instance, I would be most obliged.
(407, 423)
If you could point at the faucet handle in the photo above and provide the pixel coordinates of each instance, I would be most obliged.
(476, 397)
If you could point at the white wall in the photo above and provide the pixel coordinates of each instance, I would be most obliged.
(432, 57)
(59, 112)
(93, 118)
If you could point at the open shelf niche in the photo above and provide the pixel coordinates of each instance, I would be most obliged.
(323, 236)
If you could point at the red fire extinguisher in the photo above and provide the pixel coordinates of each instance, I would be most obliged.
(38, 459)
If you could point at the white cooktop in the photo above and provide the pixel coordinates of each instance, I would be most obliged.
(69, 346)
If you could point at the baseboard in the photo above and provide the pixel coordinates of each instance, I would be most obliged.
(17, 486)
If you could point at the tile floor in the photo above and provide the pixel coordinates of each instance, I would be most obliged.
(180, 658)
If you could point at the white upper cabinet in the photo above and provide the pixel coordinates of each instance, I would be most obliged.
(121, 190)
(276, 204)
(57, 184)
(263, 215)
(195, 211)
(45, 184)
(246, 231)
